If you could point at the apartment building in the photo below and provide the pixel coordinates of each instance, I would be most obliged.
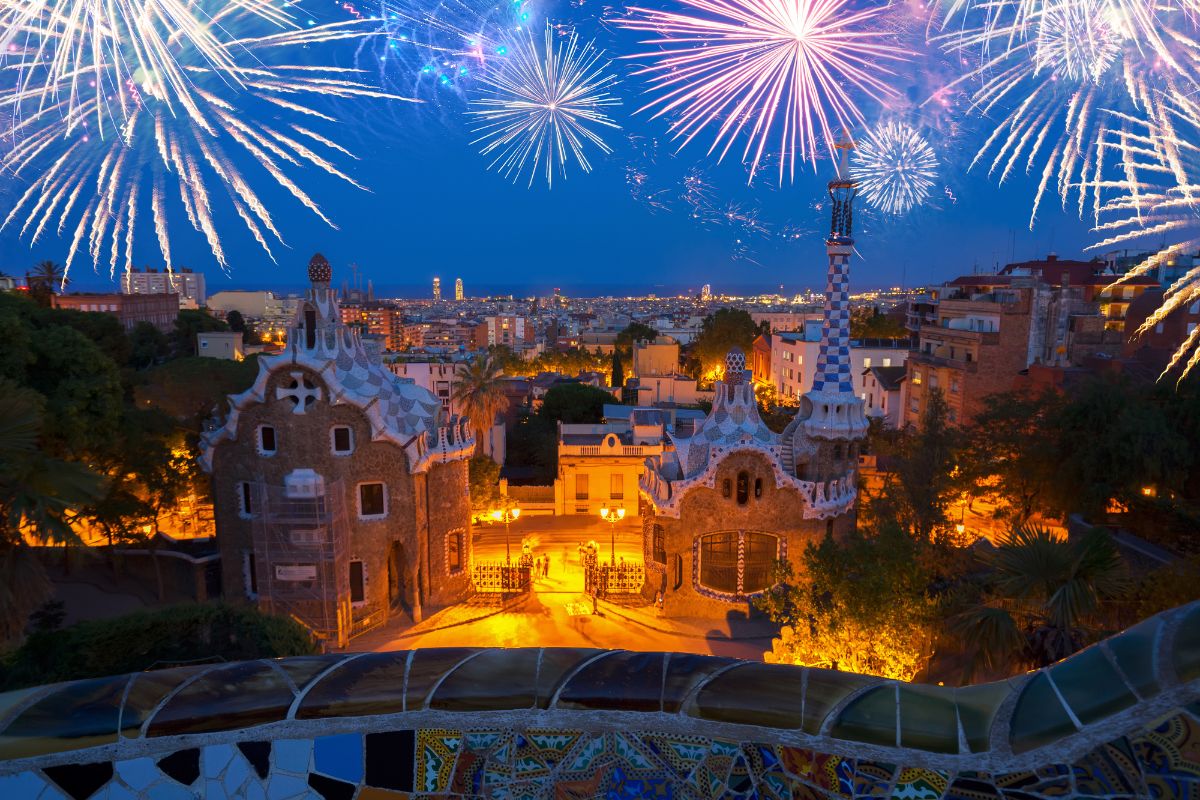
(185, 283)
(788, 360)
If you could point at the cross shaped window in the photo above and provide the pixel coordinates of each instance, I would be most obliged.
(301, 391)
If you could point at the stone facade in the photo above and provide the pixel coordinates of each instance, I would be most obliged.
(340, 491)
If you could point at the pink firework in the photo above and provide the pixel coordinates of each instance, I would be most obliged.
(782, 73)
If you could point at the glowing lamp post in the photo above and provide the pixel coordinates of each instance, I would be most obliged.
(506, 515)
(612, 516)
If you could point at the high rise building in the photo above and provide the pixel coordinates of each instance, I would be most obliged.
(458, 290)
(437, 289)
(185, 283)
(706, 293)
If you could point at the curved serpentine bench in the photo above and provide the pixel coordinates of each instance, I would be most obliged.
(1119, 719)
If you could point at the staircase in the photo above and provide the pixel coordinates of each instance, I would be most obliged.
(787, 454)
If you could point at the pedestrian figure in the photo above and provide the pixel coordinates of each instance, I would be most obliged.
(546, 566)
(537, 566)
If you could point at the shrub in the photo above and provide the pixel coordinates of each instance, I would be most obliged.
(153, 639)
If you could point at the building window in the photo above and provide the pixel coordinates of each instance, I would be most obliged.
(954, 385)
(743, 488)
(952, 415)
(757, 488)
(358, 583)
(245, 492)
(726, 487)
(914, 404)
(658, 545)
(617, 486)
(718, 561)
(887, 362)
(916, 377)
(969, 356)
(933, 380)
(454, 548)
(737, 562)
(250, 574)
(342, 440)
(267, 444)
(372, 501)
(866, 362)
(581, 487)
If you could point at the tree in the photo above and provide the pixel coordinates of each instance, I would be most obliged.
(1112, 440)
(923, 484)
(1041, 601)
(574, 403)
(190, 389)
(235, 321)
(147, 345)
(49, 274)
(635, 332)
(618, 370)
(479, 392)
(721, 331)
(103, 330)
(869, 323)
(189, 323)
(38, 495)
(82, 391)
(1010, 453)
(860, 605)
(484, 478)
(152, 639)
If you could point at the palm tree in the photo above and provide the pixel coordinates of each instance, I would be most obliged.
(50, 274)
(479, 393)
(36, 493)
(1045, 595)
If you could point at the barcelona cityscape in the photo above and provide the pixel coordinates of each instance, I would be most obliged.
(554, 399)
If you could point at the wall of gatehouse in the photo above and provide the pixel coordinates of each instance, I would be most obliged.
(678, 567)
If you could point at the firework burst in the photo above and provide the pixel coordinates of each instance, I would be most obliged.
(782, 73)
(540, 107)
(1060, 76)
(117, 108)
(895, 166)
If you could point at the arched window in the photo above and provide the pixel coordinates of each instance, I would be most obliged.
(743, 488)
(737, 563)
(718, 561)
(757, 488)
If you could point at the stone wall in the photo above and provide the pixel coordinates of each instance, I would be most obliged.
(1118, 720)
(777, 511)
(303, 441)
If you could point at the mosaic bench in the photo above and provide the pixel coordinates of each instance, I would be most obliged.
(1120, 719)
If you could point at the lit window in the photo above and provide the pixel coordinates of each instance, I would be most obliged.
(866, 362)
(581, 487)
(887, 362)
(720, 554)
(342, 439)
(916, 377)
(372, 501)
(454, 548)
(743, 488)
(266, 440)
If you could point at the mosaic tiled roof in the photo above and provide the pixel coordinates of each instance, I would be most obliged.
(1120, 719)
(397, 409)
(734, 420)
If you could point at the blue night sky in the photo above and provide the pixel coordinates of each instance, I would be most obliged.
(434, 209)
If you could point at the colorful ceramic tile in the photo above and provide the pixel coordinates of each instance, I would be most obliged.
(832, 774)
(920, 784)
(435, 756)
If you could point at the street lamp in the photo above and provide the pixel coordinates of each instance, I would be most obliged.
(612, 516)
(509, 512)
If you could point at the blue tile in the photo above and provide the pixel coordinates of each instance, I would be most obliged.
(137, 773)
(340, 757)
(23, 784)
(292, 755)
(214, 758)
(235, 776)
(282, 787)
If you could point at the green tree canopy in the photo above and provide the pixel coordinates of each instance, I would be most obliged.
(189, 389)
(635, 332)
(153, 639)
(147, 345)
(720, 332)
(618, 370)
(189, 323)
(574, 403)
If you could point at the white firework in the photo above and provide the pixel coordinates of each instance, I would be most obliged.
(896, 168)
(541, 107)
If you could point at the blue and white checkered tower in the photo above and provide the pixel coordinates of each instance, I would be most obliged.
(830, 410)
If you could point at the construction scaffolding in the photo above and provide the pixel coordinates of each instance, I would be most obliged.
(300, 551)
